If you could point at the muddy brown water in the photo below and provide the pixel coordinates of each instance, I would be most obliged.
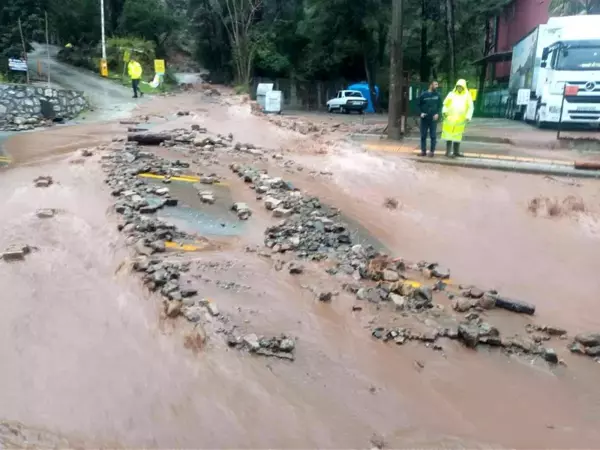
(86, 357)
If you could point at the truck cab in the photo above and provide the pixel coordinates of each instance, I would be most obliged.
(569, 68)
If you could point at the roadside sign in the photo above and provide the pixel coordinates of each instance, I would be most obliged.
(126, 56)
(523, 96)
(103, 68)
(159, 66)
(18, 65)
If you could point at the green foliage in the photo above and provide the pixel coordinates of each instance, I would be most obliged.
(149, 20)
(141, 50)
(240, 89)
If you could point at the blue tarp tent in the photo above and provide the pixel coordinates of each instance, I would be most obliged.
(363, 88)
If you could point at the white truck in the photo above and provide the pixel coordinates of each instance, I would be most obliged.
(560, 58)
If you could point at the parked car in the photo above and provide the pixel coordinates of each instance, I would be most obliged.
(348, 101)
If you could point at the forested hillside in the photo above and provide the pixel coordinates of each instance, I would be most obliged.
(305, 39)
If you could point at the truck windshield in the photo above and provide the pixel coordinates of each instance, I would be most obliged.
(579, 59)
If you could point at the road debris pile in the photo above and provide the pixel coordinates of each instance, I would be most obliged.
(553, 207)
(309, 230)
(281, 347)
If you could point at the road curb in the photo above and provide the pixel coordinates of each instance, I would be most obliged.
(512, 166)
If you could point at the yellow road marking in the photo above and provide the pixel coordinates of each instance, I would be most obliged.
(400, 149)
(186, 178)
(184, 247)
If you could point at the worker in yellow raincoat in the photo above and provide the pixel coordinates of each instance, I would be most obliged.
(134, 69)
(457, 111)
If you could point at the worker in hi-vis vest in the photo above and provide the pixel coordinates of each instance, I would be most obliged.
(457, 111)
(134, 69)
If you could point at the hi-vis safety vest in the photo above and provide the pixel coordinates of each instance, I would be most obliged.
(135, 70)
(458, 108)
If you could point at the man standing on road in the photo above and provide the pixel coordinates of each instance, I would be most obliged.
(134, 69)
(457, 111)
(430, 105)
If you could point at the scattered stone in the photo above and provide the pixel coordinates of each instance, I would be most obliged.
(86, 152)
(251, 341)
(550, 355)
(440, 272)
(486, 301)
(324, 296)
(295, 268)
(207, 197)
(588, 339)
(462, 304)
(271, 203)
(15, 253)
(43, 181)
(398, 301)
(173, 308)
(46, 213)
(212, 309)
(390, 275)
(282, 212)
(391, 203)
(469, 334)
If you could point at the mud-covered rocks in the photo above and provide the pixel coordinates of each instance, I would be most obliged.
(281, 347)
(45, 213)
(586, 344)
(43, 181)
(242, 211)
(15, 252)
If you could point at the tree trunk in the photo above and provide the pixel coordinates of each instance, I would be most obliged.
(396, 72)
(425, 70)
(451, 42)
(483, 72)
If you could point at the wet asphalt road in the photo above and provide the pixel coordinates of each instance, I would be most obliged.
(109, 100)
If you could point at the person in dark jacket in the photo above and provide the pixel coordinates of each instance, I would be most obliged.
(430, 108)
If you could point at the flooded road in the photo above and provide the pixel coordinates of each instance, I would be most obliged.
(87, 356)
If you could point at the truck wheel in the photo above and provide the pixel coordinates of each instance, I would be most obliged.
(538, 122)
(344, 110)
(329, 109)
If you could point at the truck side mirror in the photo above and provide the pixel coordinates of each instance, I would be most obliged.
(545, 54)
(543, 65)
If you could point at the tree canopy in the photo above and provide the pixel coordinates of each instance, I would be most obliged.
(305, 39)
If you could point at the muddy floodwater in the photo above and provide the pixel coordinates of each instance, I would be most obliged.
(88, 359)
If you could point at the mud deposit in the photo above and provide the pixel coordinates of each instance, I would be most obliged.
(97, 352)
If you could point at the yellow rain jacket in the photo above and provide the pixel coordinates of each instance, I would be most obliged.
(134, 69)
(457, 110)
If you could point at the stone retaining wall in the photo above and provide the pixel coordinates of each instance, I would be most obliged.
(23, 107)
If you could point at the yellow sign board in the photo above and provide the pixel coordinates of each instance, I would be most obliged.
(473, 93)
(126, 56)
(103, 68)
(159, 66)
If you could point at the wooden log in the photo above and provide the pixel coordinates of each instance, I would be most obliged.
(515, 305)
(149, 138)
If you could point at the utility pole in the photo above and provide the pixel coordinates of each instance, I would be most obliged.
(24, 49)
(47, 50)
(396, 72)
(103, 63)
(102, 25)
